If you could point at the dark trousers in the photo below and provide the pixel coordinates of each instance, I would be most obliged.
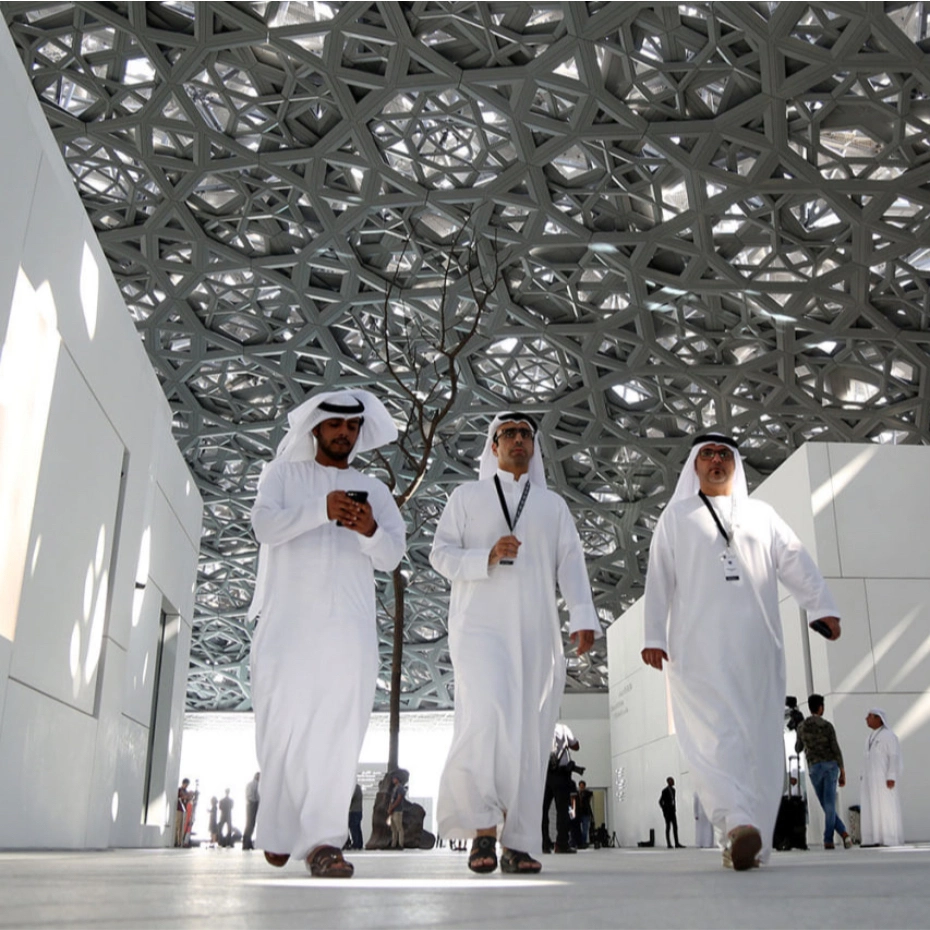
(251, 810)
(671, 823)
(355, 829)
(558, 789)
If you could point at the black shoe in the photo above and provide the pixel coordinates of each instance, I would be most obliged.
(564, 849)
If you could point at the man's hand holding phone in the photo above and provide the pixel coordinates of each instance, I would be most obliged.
(351, 510)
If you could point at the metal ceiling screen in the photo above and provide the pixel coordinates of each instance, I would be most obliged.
(704, 214)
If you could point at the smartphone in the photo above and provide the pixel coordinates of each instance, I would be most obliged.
(822, 628)
(360, 497)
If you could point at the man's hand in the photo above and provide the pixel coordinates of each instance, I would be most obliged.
(834, 624)
(842, 781)
(890, 783)
(584, 639)
(351, 514)
(505, 548)
(654, 657)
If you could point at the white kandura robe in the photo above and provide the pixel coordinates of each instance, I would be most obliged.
(703, 828)
(506, 648)
(315, 651)
(726, 667)
(880, 806)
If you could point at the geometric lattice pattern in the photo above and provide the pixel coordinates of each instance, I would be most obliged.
(705, 214)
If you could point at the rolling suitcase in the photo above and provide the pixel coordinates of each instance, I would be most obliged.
(791, 824)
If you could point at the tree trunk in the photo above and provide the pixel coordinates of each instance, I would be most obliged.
(396, 665)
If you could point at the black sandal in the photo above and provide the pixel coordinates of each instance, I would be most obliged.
(483, 847)
(514, 861)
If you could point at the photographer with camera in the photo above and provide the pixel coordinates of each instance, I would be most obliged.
(559, 787)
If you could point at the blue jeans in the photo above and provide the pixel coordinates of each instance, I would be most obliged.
(824, 776)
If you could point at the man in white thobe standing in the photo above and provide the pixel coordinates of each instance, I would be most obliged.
(880, 805)
(315, 651)
(504, 541)
(711, 615)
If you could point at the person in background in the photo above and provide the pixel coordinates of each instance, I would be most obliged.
(880, 799)
(824, 767)
(252, 798)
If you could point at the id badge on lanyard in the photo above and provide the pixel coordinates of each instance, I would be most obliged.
(730, 567)
(731, 572)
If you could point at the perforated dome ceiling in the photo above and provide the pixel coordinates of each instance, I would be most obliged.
(707, 214)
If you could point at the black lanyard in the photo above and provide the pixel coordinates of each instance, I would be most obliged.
(713, 513)
(500, 494)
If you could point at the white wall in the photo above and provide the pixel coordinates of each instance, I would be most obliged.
(864, 513)
(100, 522)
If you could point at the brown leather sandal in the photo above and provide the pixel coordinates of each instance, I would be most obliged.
(327, 862)
(514, 861)
(278, 860)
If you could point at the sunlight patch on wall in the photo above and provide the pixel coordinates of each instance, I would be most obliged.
(27, 376)
(90, 290)
(834, 485)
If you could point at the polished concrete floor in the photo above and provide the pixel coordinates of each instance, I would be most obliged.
(655, 888)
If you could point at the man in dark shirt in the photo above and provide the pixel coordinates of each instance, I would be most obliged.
(825, 766)
(583, 813)
(669, 812)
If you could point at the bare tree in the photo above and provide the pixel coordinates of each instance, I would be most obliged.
(423, 352)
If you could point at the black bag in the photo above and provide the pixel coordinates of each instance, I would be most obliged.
(791, 823)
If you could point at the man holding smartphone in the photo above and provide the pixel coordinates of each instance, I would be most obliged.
(324, 527)
(712, 621)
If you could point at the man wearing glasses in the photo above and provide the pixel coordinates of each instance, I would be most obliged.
(712, 621)
(504, 541)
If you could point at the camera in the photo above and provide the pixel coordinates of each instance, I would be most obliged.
(793, 716)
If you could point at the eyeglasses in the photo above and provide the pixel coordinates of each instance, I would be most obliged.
(710, 454)
(512, 432)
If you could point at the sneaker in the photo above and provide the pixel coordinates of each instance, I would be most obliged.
(847, 842)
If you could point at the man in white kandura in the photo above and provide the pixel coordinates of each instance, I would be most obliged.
(880, 796)
(503, 541)
(315, 651)
(711, 614)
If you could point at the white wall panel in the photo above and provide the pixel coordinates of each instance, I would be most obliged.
(881, 509)
(101, 802)
(170, 573)
(46, 765)
(128, 784)
(62, 615)
(846, 665)
(142, 656)
(23, 155)
(823, 507)
(899, 620)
